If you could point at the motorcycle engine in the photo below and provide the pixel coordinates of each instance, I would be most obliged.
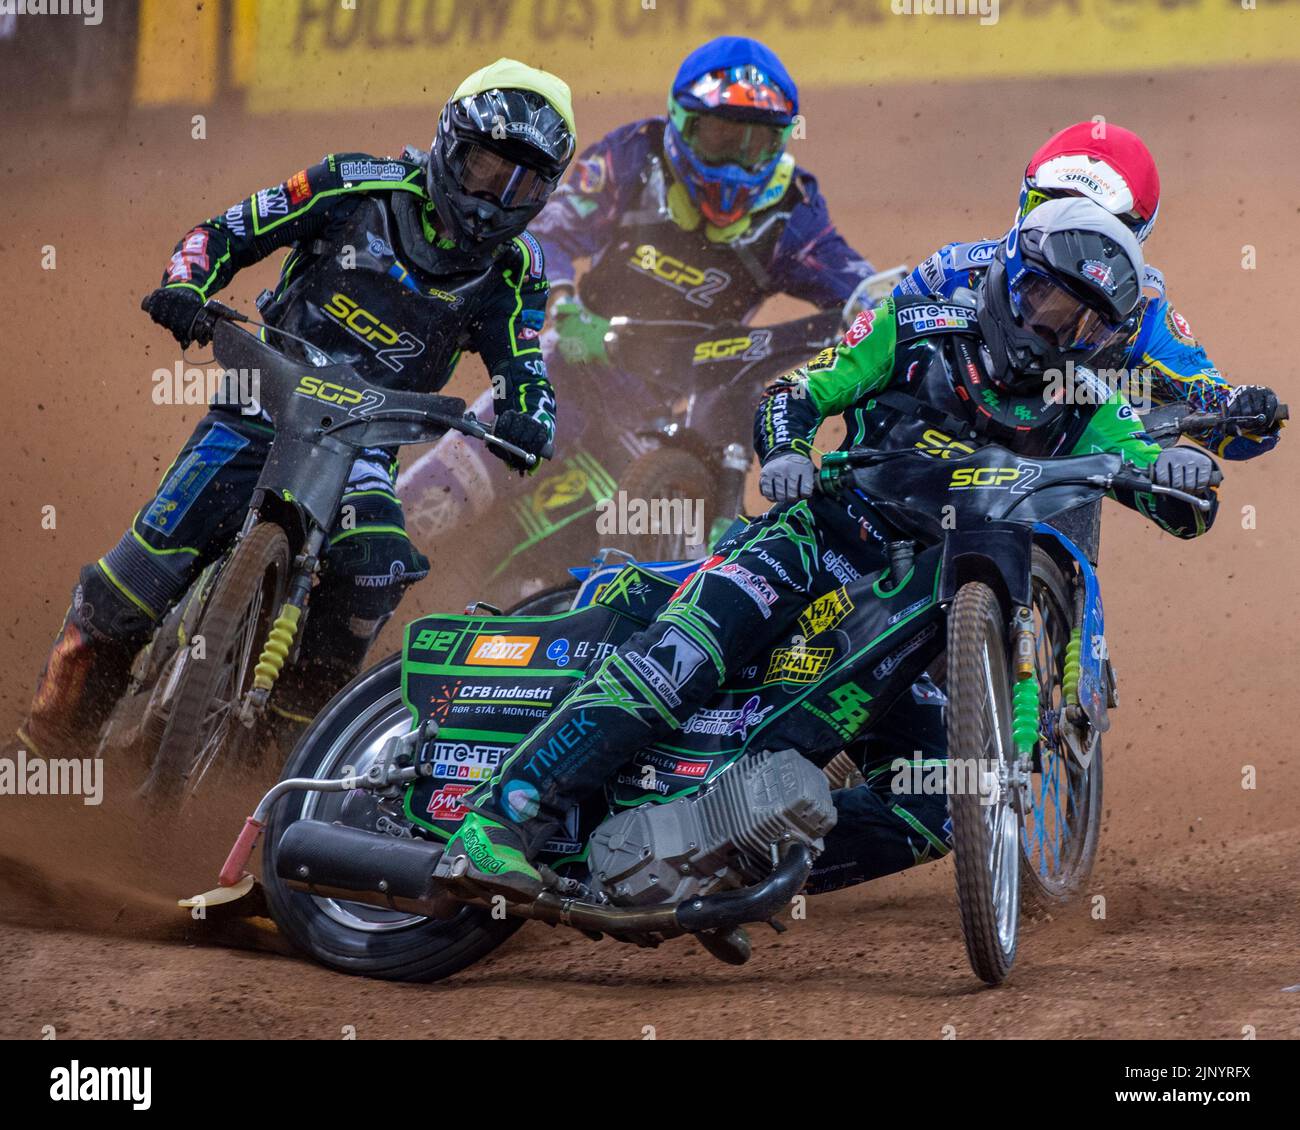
(718, 838)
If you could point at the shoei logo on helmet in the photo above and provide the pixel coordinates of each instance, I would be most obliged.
(1099, 273)
(528, 131)
(1089, 177)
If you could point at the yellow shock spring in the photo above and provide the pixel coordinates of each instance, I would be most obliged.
(278, 643)
(1071, 677)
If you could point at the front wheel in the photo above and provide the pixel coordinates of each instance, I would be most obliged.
(355, 937)
(654, 482)
(203, 730)
(1063, 823)
(982, 800)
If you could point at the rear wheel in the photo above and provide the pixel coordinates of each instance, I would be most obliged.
(1063, 825)
(203, 730)
(982, 801)
(662, 475)
(355, 937)
(548, 602)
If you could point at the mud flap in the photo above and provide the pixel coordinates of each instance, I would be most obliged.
(997, 553)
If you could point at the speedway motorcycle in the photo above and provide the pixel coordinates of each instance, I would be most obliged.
(199, 690)
(679, 429)
(718, 826)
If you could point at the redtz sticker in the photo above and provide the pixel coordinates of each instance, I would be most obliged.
(860, 329)
(1178, 327)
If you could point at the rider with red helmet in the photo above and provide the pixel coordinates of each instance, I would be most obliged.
(1112, 166)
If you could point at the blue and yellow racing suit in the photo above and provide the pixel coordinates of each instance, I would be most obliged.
(1155, 341)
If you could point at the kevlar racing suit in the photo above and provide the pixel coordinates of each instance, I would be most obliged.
(1155, 345)
(650, 256)
(900, 383)
(368, 280)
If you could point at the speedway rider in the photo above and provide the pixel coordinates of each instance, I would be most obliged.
(697, 217)
(904, 376)
(880, 832)
(1111, 165)
(432, 258)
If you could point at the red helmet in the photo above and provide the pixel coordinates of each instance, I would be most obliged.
(1115, 169)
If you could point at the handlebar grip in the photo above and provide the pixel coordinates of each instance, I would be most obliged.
(1282, 412)
(1216, 476)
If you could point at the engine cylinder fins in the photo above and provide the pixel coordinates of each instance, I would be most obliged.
(722, 837)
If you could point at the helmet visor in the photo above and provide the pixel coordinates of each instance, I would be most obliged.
(717, 140)
(1059, 317)
(485, 173)
(1036, 196)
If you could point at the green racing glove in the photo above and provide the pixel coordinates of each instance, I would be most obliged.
(580, 334)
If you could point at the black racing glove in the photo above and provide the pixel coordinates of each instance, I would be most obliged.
(1184, 468)
(523, 431)
(1252, 400)
(174, 308)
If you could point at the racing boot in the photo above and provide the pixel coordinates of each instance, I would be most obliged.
(82, 680)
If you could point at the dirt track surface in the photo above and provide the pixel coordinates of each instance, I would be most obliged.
(1200, 877)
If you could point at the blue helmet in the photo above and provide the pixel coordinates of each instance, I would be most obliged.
(730, 113)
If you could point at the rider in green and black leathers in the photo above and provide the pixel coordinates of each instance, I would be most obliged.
(396, 267)
(939, 377)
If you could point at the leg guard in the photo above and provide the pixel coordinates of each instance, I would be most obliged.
(368, 566)
(742, 600)
(88, 666)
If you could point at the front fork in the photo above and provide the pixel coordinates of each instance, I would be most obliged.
(281, 639)
(1024, 706)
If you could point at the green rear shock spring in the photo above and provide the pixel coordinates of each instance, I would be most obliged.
(1024, 714)
(1071, 676)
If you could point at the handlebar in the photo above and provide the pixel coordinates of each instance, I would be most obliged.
(835, 476)
(1195, 423)
(212, 312)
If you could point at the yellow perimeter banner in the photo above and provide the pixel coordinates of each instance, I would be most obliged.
(326, 54)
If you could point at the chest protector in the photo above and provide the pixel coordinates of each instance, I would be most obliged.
(940, 399)
(656, 269)
(362, 300)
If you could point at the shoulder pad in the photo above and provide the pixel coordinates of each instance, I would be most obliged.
(972, 256)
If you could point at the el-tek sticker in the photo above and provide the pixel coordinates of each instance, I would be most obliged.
(502, 651)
